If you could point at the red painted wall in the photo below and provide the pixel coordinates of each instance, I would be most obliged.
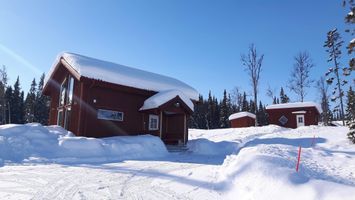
(84, 121)
(311, 117)
(242, 122)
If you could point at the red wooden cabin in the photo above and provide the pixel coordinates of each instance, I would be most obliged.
(242, 119)
(95, 98)
(293, 115)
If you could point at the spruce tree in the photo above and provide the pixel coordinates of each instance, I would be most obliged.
(194, 118)
(41, 111)
(350, 114)
(224, 111)
(350, 105)
(333, 47)
(245, 104)
(17, 104)
(209, 114)
(30, 103)
(8, 103)
(350, 20)
(252, 108)
(261, 115)
(351, 133)
(322, 87)
(215, 114)
(283, 97)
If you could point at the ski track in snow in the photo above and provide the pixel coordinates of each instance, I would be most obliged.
(94, 182)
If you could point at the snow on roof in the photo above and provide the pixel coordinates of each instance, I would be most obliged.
(240, 115)
(122, 75)
(295, 105)
(162, 97)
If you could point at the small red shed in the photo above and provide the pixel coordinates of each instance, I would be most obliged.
(96, 98)
(242, 119)
(293, 115)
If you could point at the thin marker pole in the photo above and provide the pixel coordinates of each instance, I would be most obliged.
(299, 158)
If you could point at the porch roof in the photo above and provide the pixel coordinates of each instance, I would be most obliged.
(163, 97)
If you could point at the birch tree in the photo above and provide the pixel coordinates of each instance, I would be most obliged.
(300, 75)
(252, 63)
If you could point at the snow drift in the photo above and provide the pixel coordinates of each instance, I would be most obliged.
(33, 141)
(206, 147)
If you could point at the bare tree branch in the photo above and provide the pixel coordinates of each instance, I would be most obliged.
(300, 75)
(253, 63)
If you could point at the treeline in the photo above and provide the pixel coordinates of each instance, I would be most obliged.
(15, 108)
(210, 113)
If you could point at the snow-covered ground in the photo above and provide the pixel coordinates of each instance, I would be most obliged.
(247, 163)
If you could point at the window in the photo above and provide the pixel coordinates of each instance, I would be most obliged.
(67, 118)
(70, 90)
(63, 90)
(153, 122)
(283, 120)
(60, 118)
(109, 115)
(300, 119)
(65, 102)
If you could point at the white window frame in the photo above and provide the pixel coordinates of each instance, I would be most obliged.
(153, 117)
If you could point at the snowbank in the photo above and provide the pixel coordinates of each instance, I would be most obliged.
(265, 167)
(18, 142)
(34, 142)
(114, 148)
(207, 147)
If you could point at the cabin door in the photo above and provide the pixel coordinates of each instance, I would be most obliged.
(173, 128)
(300, 120)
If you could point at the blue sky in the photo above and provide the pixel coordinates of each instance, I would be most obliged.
(198, 42)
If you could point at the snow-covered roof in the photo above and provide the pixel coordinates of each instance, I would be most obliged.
(162, 97)
(120, 74)
(240, 115)
(295, 105)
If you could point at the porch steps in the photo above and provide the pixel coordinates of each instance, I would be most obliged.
(176, 148)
